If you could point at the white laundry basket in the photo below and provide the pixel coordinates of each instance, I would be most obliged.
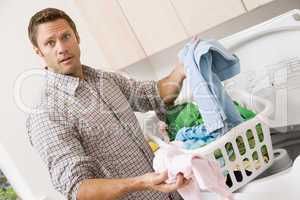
(254, 154)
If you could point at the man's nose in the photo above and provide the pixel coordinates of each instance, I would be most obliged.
(61, 47)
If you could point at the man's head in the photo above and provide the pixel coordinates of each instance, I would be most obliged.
(54, 37)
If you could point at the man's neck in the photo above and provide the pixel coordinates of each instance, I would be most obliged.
(79, 73)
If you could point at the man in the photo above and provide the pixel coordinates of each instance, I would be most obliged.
(85, 129)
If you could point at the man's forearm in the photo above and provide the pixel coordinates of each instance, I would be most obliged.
(170, 86)
(108, 189)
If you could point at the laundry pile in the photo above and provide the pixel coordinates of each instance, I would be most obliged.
(210, 115)
(185, 123)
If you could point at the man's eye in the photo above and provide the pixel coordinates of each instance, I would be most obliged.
(67, 36)
(51, 43)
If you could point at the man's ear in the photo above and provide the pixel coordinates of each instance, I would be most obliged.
(38, 51)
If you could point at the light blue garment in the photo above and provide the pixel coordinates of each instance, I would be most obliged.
(207, 63)
(197, 136)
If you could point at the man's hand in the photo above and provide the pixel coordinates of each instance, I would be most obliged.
(170, 86)
(156, 181)
(179, 70)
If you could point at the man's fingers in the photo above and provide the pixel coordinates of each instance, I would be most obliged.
(179, 180)
(185, 182)
(160, 178)
(167, 187)
(195, 38)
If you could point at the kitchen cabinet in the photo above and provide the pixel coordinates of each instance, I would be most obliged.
(200, 15)
(154, 22)
(128, 31)
(252, 4)
(112, 32)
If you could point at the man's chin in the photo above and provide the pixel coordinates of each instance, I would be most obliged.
(69, 70)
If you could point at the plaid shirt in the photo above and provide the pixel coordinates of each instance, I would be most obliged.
(87, 129)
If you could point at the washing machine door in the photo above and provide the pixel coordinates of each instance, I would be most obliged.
(270, 65)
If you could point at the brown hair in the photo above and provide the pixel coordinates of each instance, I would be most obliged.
(47, 15)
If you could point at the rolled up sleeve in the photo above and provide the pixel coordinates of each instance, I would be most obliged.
(58, 144)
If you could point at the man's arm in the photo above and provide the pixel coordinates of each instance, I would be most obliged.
(108, 189)
(170, 86)
(73, 173)
(143, 95)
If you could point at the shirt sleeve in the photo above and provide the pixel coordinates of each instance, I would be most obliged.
(142, 96)
(58, 145)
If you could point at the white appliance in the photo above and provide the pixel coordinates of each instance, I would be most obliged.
(270, 66)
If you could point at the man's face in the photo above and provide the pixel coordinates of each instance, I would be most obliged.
(58, 46)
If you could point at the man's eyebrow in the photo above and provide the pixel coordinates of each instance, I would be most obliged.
(66, 32)
(61, 34)
(49, 37)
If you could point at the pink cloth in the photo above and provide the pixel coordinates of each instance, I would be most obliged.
(205, 174)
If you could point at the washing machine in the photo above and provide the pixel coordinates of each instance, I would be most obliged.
(270, 68)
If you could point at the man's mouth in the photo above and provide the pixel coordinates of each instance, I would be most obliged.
(66, 60)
